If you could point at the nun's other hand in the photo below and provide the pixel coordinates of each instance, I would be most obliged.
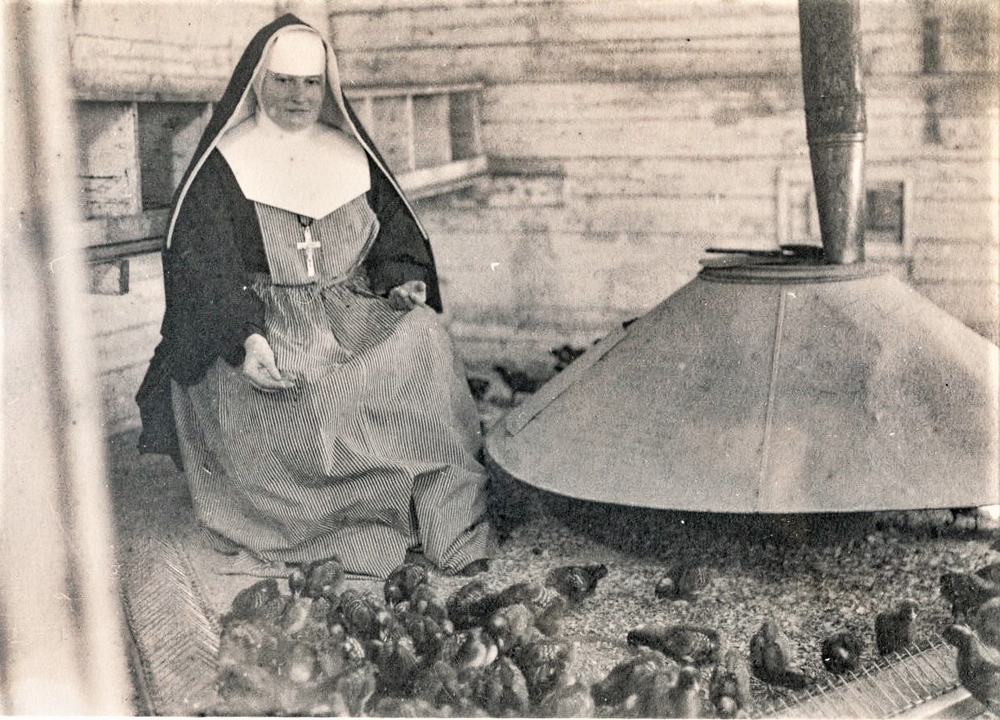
(259, 367)
(408, 295)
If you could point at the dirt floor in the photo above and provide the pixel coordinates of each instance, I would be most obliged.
(813, 574)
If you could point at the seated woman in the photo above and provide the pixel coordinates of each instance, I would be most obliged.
(303, 381)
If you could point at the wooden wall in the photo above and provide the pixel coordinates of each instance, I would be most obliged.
(143, 73)
(625, 136)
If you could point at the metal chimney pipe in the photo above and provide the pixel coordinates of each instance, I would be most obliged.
(830, 37)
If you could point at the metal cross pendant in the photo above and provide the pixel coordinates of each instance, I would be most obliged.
(308, 244)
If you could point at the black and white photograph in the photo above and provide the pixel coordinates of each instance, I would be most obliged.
(500, 358)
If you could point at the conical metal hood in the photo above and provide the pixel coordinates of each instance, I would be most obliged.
(785, 382)
(770, 389)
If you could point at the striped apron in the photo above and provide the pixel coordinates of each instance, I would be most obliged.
(372, 453)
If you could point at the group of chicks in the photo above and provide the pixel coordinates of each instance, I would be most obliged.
(320, 649)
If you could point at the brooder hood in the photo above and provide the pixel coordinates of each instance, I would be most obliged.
(801, 380)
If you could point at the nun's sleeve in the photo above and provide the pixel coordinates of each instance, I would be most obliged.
(208, 275)
(400, 252)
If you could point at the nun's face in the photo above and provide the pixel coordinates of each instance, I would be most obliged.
(292, 102)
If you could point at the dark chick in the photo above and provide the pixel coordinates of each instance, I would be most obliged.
(684, 698)
(471, 605)
(501, 690)
(295, 616)
(437, 684)
(565, 355)
(426, 600)
(427, 634)
(511, 627)
(990, 572)
(249, 601)
(986, 622)
(966, 592)
(469, 649)
(356, 686)
(402, 581)
(841, 652)
(544, 664)
(978, 666)
(687, 644)
(297, 581)
(894, 628)
(576, 582)
(570, 699)
(683, 581)
(358, 615)
(397, 663)
(324, 579)
(729, 685)
(773, 658)
(518, 381)
(546, 603)
(478, 387)
(623, 680)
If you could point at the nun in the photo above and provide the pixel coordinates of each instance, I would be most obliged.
(304, 383)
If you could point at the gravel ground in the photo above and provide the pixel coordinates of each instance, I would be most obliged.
(814, 574)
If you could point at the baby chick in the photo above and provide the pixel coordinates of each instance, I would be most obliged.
(501, 690)
(576, 582)
(397, 663)
(426, 633)
(546, 603)
(841, 652)
(683, 581)
(296, 614)
(978, 666)
(244, 643)
(356, 686)
(684, 698)
(250, 600)
(729, 685)
(986, 622)
(478, 387)
(772, 657)
(324, 578)
(990, 572)
(437, 684)
(357, 613)
(565, 355)
(402, 581)
(511, 627)
(518, 381)
(471, 648)
(544, 664)
(570, 699)
(297, 581)
(301, 664)
(621, 680)
(470, 605)
(426, 600)
(894, 628)
(687, 644)
(966, 592)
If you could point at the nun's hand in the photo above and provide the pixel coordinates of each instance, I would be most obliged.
(259, 367)
(408, 295)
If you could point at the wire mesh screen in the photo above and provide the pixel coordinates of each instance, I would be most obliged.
(895, 684)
